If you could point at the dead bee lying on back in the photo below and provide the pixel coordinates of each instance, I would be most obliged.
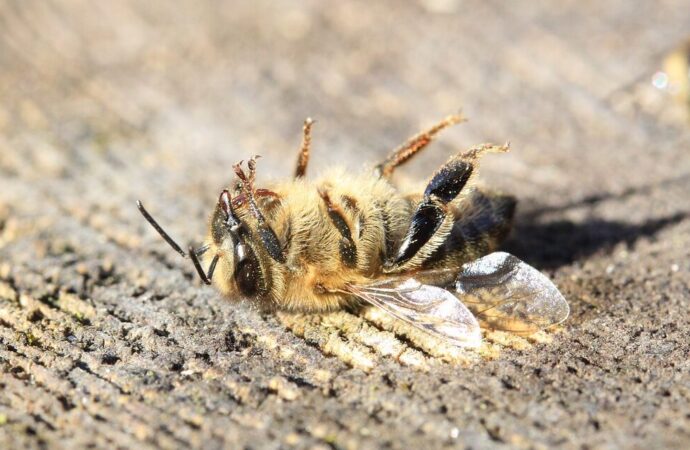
(351, 238)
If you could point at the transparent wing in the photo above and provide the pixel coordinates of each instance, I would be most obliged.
(429, 308)
(507, 294)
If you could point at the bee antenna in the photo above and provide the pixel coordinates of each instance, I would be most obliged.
(193, 253)
(160, 229)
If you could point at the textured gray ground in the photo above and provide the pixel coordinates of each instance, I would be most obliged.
(107, 339)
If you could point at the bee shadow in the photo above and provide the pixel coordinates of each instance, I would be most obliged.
(552, 244)
(555, 244)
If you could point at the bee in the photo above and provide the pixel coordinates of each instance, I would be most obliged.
(350, 239)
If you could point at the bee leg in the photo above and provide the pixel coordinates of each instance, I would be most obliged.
(416, 143)
(303, 158)
(347, 247)
(239, 200)
(478, 229)
(444, 187)
(266, 234)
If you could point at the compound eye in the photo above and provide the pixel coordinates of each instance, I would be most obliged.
(240, 252)
(248, 276)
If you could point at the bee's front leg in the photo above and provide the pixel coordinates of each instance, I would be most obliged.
(268, 237)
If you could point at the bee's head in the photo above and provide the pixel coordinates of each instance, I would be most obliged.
(238, 268)
(229, 254)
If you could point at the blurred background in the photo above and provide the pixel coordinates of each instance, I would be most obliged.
(105, 103)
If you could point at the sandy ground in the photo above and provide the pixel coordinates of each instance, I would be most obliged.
(107, 338)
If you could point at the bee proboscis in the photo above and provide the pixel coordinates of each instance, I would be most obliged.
(426, 258)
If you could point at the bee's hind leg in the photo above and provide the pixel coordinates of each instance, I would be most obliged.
(268, 237)
(415, 144)
(303, 158)
(428, 220)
